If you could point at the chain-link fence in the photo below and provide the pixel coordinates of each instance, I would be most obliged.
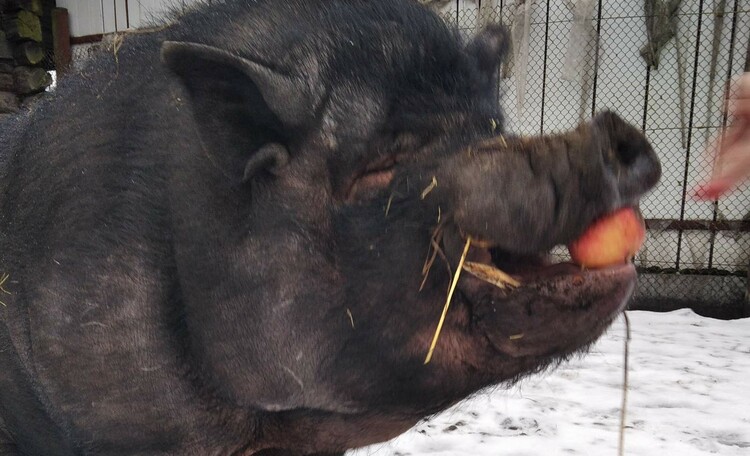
(574, 58)
(668, 71)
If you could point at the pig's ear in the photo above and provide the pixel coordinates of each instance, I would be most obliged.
(489, 48)
(239, 90)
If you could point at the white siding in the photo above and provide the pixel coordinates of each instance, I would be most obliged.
(92, 17)
(86, 16)
(552, 102)
(622, 86)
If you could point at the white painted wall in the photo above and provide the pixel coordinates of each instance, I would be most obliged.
(621, 86)
(92, 17)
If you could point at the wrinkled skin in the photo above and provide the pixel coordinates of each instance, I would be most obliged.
(215, 240)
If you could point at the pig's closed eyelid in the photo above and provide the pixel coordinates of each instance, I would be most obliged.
(369, 182)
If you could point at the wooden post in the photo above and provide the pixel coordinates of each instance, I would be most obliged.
(61, 39)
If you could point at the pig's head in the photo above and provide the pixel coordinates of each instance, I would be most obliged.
(330, 161)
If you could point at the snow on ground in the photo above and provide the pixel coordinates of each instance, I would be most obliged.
(689, 395)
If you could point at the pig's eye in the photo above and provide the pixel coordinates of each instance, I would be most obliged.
(374, 178)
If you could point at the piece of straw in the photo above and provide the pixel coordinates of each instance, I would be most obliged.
(491, 275)
(623, 407)
(3, 278)
(436, 250)
(448, 301)
(388, 207)
(429, 188)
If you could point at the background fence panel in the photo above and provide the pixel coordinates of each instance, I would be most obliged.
(681, 106)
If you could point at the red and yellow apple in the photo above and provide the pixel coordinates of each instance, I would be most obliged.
(610, 240)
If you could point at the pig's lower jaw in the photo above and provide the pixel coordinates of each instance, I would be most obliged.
(554, 317)
(552, 311)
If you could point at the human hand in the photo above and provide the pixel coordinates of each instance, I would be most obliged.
(732, 165)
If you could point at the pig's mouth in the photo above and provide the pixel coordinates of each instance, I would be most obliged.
(547, 308)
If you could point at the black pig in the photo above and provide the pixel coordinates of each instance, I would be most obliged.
(212, 236)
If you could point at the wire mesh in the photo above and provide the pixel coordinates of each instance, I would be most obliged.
(682, 106)
(81, 52)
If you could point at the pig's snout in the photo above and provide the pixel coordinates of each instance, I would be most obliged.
(526, 194)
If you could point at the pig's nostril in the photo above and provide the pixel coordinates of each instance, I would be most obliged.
(636, 166)
(626, 153)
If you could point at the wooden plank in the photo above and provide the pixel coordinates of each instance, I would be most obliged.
(698, 225)
(86, 17)
(122, 22)
(109, 16)
(87, 39)
(133, 10)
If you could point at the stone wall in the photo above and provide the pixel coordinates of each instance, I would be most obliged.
(26, 51)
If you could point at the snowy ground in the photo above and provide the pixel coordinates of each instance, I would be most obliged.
(689, 395)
